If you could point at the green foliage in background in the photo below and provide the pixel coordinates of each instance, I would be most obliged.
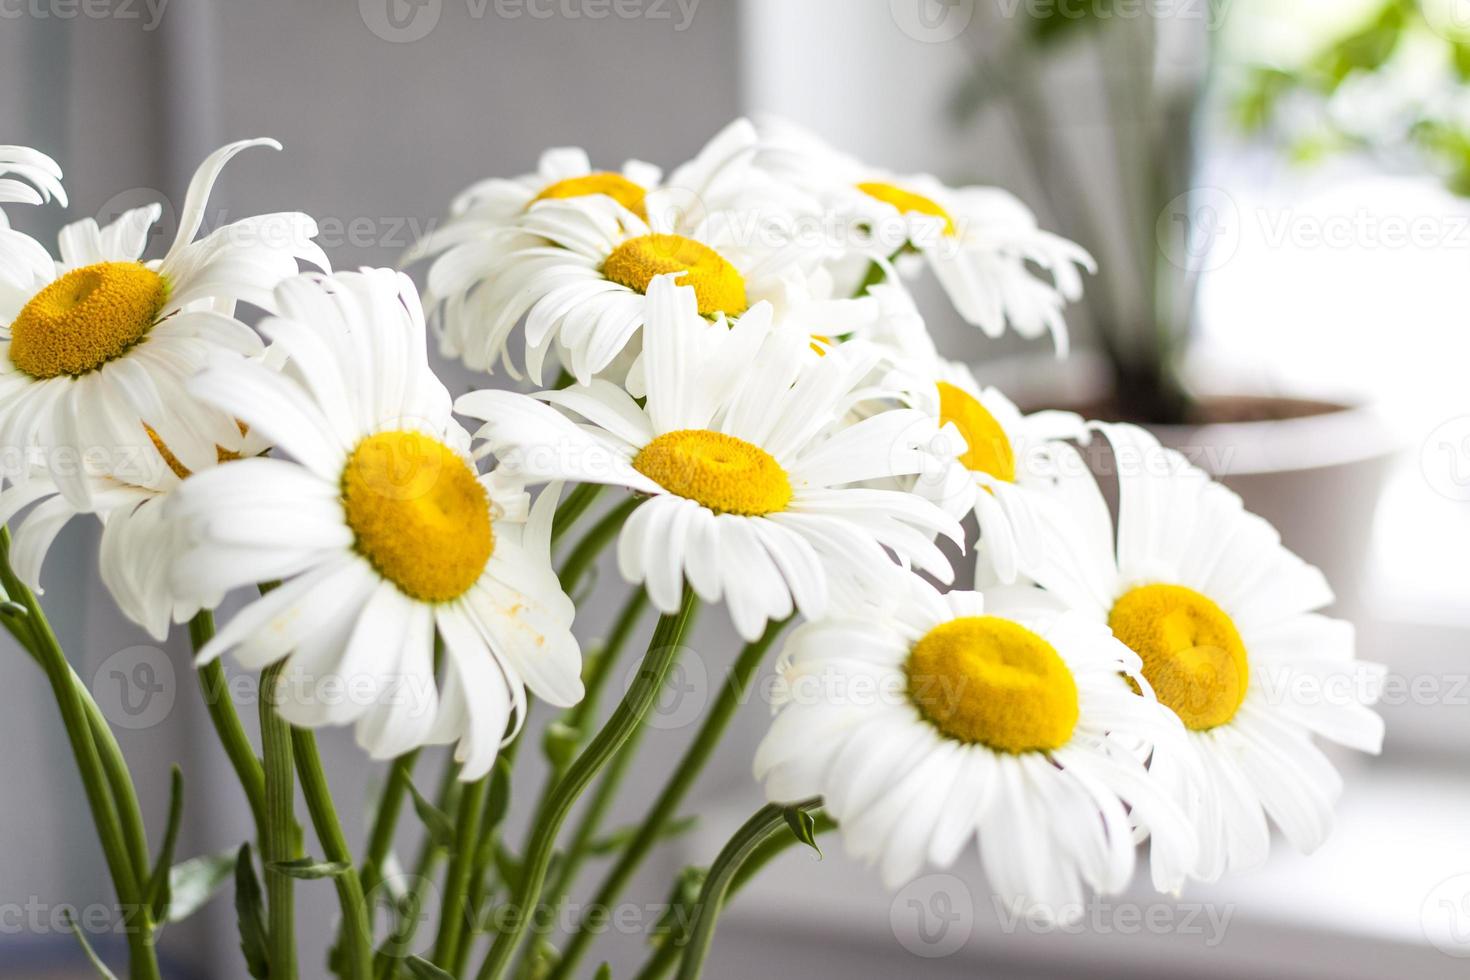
(1406, 53)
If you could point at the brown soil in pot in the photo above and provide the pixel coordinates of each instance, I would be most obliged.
(1218, 410)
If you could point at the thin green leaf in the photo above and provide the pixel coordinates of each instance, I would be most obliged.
(250, 915)
(92, 957)
(604, 972)
(309, 869)
(159, 893)
(422, 969)
(803, 827)
(1461, 51)
(194, 882)
(1365, 50)
(435, 820)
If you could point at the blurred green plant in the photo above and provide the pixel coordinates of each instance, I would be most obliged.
(1141, 309)
(1412, 56)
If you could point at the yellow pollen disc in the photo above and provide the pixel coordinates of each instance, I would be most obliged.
(615, 186)
(1192, 653)
(86, 318)
(990, 451)
(907, 202)
(718, 286)
(420, 515)
(725, 474)
(989, 681)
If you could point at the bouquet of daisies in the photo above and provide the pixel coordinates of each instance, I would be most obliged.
(719, 375)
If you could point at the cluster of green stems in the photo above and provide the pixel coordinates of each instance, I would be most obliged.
(463, 818)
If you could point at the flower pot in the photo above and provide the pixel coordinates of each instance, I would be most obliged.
(1314, 469)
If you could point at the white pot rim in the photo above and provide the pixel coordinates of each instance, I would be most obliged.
(1356, 432)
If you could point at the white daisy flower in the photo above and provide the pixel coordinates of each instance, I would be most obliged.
(805, 307)
(137, 545)
(899, 328)
(580, 284)
(98, 345)
(979, 241)
(1002, 457)
(1224, 619)
(491, 205)
(720, 172)
(576, 267)
(748, 484)
(382, 532)
(927, 720)
(37, 178)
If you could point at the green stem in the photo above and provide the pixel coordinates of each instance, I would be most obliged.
(578, 718)
(580, 714)
(119, 781)
(357, 934)
(214, 686)
(601, 669)
(667, 804)
(874, 276)
(278, 837)
(669, 947)
(765, 825)
(663, 649)
(485, 848)
(452, 911)
(396, 947)
(72, 700)
(573, 507)
(385, 820)
(591, 819)
(587, 550)
(596, 808)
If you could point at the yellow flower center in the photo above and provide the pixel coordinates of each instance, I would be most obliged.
(986, 680)
(725, 474)
(718, 286)
(989, 450)
(615, 186)
(1192, 653)
(907, 202)
(420, 514)
(86, 318)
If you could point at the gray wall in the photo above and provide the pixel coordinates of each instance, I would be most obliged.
(378, 135)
